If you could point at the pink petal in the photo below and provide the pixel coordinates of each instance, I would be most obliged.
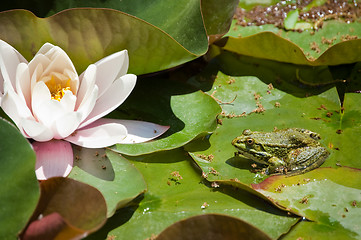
(98, 135)
(138, 131)
(53, 159)
(112, 98)
(110, 68)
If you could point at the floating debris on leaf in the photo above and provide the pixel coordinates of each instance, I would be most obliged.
(259, 109)
(304, 200)
(213, 171)
(209, 157)
(205, 205)
(309, 13)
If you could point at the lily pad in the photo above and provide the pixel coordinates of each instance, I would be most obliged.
(337, 42)
(20, 191)
(212, 226)
(176, 191)
(217, 15)
(88, 35)
(315, 195)
(262, 107)
(109, 173)
(61, 212)
(269, 95)
(189, 114)
(183, 18)
(308, 230)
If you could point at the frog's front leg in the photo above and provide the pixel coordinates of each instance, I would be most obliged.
(275, 165)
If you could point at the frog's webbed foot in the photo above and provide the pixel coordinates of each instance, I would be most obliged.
(269, 170)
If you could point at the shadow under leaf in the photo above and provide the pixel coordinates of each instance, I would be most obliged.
(94, 161)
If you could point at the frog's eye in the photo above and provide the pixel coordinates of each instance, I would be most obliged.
(249, 141)
(247, 132)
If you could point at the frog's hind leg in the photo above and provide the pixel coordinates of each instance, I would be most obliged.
(307, 159)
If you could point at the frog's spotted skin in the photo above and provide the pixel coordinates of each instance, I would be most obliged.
(290, 151)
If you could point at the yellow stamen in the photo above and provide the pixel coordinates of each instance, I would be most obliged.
(57, 89)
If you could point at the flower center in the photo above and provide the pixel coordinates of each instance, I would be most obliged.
(58, 87)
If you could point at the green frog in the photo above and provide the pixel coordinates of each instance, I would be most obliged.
(289, 151)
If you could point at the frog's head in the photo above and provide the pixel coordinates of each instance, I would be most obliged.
(250, 147)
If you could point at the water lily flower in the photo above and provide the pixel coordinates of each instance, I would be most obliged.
(51, 104)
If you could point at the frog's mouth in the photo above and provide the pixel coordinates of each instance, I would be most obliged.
(254, 155)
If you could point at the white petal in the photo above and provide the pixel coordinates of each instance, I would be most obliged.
(68, 101)
(98, 135)
(138, 131)
(40, 96)
(23, 83)
(66, 125)
(59, 62)
(110, 68)
(15, 107)
(112, 98)
(1, 85)
(53, 159)
(87, 79)
(39, 59)
(74, 80)
(87, 105)
(9, 61)
(35, 76)
(45, 109)
(37, 131)
(45, 49)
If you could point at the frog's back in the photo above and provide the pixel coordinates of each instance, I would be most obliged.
(288, 138)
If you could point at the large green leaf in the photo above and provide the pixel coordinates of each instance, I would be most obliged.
(217, 16)
(182, 20)
(335, 43)
(281, 110)
(88, 35)
(307, 230)
(176, 191)
(19, 192)
(316, 195)
(115, 177)
(286, 103)
(168, 103)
